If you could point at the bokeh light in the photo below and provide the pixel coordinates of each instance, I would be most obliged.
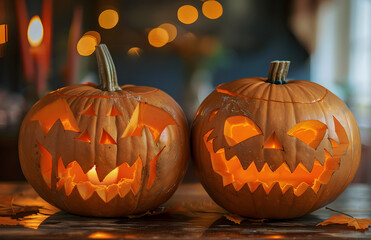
(170, 29)
(187, 14)
(158, 37)
(108, 19)
(86, 45)
(135, 51)
(35, 31)
(3, 33)
(212, 9)
(94, 34)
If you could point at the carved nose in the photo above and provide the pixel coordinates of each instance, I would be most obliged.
(272, 142)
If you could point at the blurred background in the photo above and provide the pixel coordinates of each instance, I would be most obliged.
(185, 48)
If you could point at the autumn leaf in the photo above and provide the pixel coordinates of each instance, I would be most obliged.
(238, 219)
(357, 223)
(234, 218)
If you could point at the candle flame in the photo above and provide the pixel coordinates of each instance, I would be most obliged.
(35, 32)
(111, 178)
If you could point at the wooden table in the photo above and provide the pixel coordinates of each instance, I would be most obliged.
(191, 214)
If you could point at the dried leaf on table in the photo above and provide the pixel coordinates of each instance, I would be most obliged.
(234, 218)
(238, 219)
(357, 223)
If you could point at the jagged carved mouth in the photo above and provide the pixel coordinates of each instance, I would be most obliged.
(119, 181)
(299, 180)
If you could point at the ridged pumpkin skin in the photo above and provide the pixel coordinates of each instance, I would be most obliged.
(275, 110)
(100, 132)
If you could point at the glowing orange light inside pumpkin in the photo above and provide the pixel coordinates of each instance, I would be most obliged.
(114, 112)
(212, 114)
(85, 137)
(35, 31)
(233, 173)
(111, 178)
(106, 138)
(273, 142)
(58, 109)
(310, 132)
(3, 33)
(187, 14)
(154, 118)
(170, 29)
(119, 181)
(108, 19)
(45, 164)
(158, 37)
(212, 9)
(239, 128)
(89, 111)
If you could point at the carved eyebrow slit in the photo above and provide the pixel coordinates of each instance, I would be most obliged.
(146, 115)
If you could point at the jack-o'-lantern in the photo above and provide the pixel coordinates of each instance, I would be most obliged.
(271, 148)
(105, 150)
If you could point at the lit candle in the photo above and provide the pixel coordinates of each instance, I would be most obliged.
(35, 34)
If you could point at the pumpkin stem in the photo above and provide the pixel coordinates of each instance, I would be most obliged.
(278, 72)
(106, 69)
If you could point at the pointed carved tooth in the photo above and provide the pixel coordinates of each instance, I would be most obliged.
(124, 188)
(238, 185)
(268, 187)
(60, 183)
(137, 177)
(229, 153)
(111, 192)
(227, 179)
(259, 165)
(316, 185)
(68, 186)
(102, 193)
(253, 186)
(301, 189)
(285, 188)
(331, 163)
(86, 189)
(325, 177)
(301, 167)
(61, 169)
(307, 166)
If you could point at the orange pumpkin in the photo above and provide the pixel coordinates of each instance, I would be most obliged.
(105, 150)
(271, 148)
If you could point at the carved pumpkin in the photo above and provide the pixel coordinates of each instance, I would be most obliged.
(271, 148)
(105, 150)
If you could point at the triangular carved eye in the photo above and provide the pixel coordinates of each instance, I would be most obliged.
(239, 128)
(106, 138)
(89, 111)
(114, 112)
(272, 142)
(58, 109)
(310, 132)
(146, 115)
(85, 137)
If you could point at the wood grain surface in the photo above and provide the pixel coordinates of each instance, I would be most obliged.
(189, 214)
